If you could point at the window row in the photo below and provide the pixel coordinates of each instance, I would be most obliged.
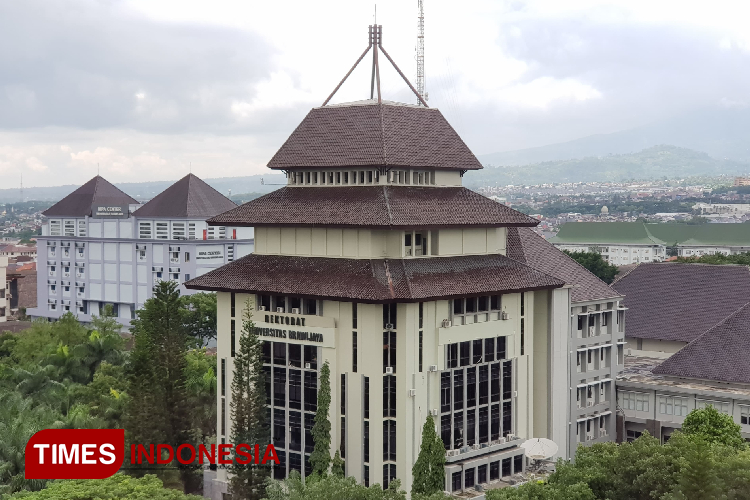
(476, 427)
(467, 388)
(475, 352)
(637, 401)
(593, 358)
(592, 428)
(360, 177)
(288, 388)
(288, 304)
(469, 478)
(281, 353)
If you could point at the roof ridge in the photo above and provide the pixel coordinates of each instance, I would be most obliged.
(382, 133)
(187, 202)
(618, 278)
(387, 205)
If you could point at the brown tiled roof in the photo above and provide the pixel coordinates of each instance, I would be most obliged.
(373, 206)
(188, 197)
(524, 245)
(721, 353)
(368, 134)
(78, 203)
(376, 280)
(679, 302)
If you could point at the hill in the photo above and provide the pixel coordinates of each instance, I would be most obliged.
(655, 162)
(720, 132)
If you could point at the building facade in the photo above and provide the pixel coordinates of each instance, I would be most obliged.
(4, 286)
(374, 247)
(98, 247)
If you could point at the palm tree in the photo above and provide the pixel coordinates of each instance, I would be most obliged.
(69, 365)
(100, 347)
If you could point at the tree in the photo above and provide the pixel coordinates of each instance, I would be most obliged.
(117, 487)
(200, 316)
(157, 375)
(540, 490)
(320, 458)
(332, 487)
(714, 427)
(337, 467)
(248, 411)
(429, 470)
(594, 262)
(201, 386)
(99, 348)
(106, 323)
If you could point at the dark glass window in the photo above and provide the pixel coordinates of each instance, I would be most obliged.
(354, 315)
(506, 467)
(366, 438)
(501, 352)
(342, 446)
(311, 306)
(279, 470)
(507, 380)
(389, 315)
(354, 352)
(445, 430)
(389, 440)
(295, 462)
(470, 427)
(279, 428)
(517, 464)
(232, 304)
(495, 423)
(456, 481)
(232, 340)
(489, 350)
(458, 306)
(421, 340)
(452, 350)
(279, 387)
(223, 377)
(495, 382)
(267, 376)
(265, 301)
(223, 416)
(295, 355)
(311, 391)
(309, 423)
(471, 387)
(279, 353)
(295, 303)
(367, 397)
(523, 303)
(266, 350)
(367, 476)
(458, 429)
(507, 413)
(484, 304)
(477, 351)
(308, 465)
(389, 474)
(295, 389)
(522, 336)
(343, 394)
(495, 302)
(580, 322)
(484, 425)
(389, 350)
(471, 305)
(465, 353)
(445, 392)
(311, 356)
(389, 396)
(484, 385)
(458, 389)
(421, 314)
(494, 471)
(469, 478)
(295, 430)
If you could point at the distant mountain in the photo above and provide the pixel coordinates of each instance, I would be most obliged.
(652, 163)
(720, 132)
(144, 191)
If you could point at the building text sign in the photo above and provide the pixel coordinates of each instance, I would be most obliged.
(210, 254)
(290, 334)
(99, 211)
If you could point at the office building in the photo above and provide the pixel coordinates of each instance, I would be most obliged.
(99, 246)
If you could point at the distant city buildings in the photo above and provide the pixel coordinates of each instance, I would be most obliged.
(98, 246)
(622, 243)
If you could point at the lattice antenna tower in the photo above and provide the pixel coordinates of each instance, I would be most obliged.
(420, 52)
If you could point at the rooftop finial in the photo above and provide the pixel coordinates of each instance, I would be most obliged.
(376, 43)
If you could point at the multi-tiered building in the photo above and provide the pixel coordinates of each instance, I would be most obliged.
(424, 297)
(98, 246)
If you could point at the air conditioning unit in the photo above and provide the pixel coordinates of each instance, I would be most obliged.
(446, 323)
(476, 446)
(589, 437)
(590, 403)
(307, 366)
(389, 370)
(279, 309)
(500, 441)
(510, 437)
(412, 393)
(388, 326)
(503, 315)
(295, 310)
(433, 368)
(261, 308)
(434, 412)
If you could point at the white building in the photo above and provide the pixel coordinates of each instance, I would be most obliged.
(98, 246)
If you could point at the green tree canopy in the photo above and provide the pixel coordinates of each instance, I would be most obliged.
(117, 487)
(200, 316)
(714, 427)
(320, 458)
(429, 470)
(594, 262)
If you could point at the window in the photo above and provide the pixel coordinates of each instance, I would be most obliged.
(745, 415)
(389, 396)
(55, 228)
(720, 406)
(389, 351)
(354, 352)
(178, 230)
(366, 397)
(162, 230)
(187, 256)
(669, 405)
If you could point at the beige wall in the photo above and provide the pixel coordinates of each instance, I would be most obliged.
(375, 244)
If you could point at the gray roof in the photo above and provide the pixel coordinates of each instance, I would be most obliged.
(96, 191)
(188, 197)
(366, 133)
(721, 353)
(679, 302)
(526, 246)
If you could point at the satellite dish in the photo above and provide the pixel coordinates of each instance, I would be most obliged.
(539, 448)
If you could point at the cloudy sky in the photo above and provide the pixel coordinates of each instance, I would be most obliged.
(147, 89)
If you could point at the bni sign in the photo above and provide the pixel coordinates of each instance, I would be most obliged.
(100, 211)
